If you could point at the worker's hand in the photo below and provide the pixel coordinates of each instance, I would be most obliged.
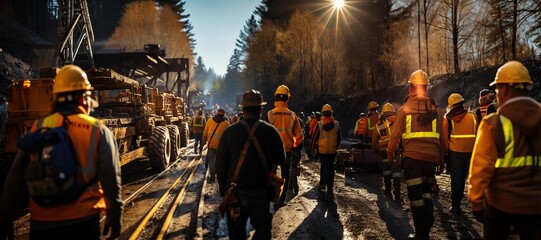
(112, 229)
(479, 215)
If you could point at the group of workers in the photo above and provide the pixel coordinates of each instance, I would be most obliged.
(496, 147)
(498, 153)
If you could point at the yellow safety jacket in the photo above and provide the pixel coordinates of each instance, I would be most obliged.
(287, 125)
(209, 129)
(84, 133)
(463, 132)
(198, 124)
(327, 143)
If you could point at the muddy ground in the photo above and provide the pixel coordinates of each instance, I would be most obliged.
(358, 210)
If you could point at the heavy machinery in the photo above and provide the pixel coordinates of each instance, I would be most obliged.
(146, 119)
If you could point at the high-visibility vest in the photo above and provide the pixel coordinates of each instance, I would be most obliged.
(510, 160)
(462, 137)
(284, 121)
(327, 143)
(384, 131)
(361, 125)
(409, 134)
(198, 124)
(84, 132)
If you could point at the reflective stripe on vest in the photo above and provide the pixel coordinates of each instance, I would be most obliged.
(383, 126)
(370, 127)
(410, 134)
(509, 160)
(280, 128)
(200, 124)
(464, 135)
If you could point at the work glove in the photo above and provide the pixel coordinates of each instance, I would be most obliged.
(479, 215)
(112, 229)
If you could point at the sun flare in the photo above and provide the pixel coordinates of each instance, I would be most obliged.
(338, 4)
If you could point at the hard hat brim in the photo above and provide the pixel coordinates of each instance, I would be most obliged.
(493, 83)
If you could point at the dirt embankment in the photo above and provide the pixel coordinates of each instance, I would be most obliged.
(468, 84)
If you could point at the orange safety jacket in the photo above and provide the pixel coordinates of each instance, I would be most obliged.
(361, 126)
(505, 169)
(85, 135)
(327, 142)
(287, 124)
(463, 132)
(424, 143)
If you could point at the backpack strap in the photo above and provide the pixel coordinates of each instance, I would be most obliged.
(244, 151)
(210, 139)
(259, 150)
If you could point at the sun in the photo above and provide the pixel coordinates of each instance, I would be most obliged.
(338, 4)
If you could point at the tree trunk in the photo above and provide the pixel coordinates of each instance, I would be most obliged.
(454, 27)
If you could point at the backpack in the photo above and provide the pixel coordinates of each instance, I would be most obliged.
(51, 175)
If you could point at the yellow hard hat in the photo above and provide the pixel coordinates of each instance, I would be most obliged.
(512, 72)
(326, 107)
(282, 89)
(71, 78)
(454, 99)
(387, 108)
(372, 104)
(418, 77)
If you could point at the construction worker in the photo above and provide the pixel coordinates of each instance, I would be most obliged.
(97, 156)
(373, 119)
(327, 137)
(486, 97)
(290, 130)
(505, 179)
(211, 136)
(361, 127)
(198, 127)
(459, 128)
(313, 123)
(380, 140)
(418, 125)
(251, 175)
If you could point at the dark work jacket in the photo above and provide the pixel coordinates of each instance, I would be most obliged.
(252, 174)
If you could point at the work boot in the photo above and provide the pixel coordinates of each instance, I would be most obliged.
(321, 187)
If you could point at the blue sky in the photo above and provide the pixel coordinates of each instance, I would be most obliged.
(217, 24)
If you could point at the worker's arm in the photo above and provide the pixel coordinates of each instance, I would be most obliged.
(396, 134)
(298, 134)
(375, 140)
(110, 178)
(315, 138)
(205, 134)
(356, 128)
(483, 159)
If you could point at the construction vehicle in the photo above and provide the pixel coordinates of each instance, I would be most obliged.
(146, 119)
